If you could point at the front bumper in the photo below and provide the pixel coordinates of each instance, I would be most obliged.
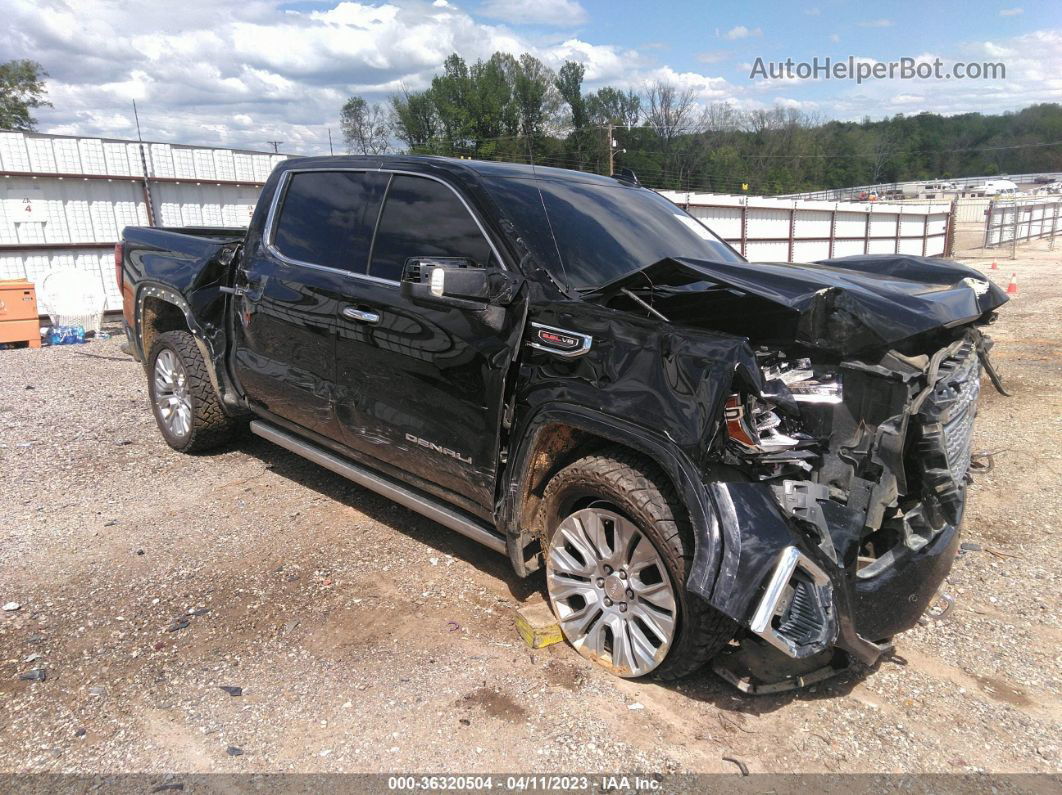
(771, 558)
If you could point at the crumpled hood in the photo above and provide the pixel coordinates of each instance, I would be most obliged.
(844, 304)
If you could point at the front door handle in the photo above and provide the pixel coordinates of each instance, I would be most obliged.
(361, 315)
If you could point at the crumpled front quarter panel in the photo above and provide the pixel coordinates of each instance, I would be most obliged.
(671, 381)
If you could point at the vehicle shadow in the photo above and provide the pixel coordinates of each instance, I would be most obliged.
(708, 687)
(383, 510)
(704, 686)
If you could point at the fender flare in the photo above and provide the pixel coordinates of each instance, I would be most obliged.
(168, 295)
(703, 516)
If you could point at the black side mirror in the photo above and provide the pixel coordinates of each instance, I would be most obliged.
(455, 281)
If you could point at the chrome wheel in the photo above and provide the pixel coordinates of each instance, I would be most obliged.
(171, 393)
(611, 591)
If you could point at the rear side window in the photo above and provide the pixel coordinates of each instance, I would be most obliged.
(424, 218)
(327, 218)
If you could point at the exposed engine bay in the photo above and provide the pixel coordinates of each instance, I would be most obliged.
(859, 428)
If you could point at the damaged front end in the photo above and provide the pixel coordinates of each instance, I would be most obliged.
(839, 477)
(867, 462)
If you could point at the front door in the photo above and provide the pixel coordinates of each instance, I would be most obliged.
(420, 385)
(290, 287)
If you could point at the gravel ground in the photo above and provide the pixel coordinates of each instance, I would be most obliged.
(365, 638)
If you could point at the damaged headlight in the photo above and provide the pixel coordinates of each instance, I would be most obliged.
(806, 384)
(754, 425)
(772, 421)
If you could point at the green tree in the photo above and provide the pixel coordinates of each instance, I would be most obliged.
(364, 127)
(21, 90)
(609, 105)
(535, 97)
(414, 120)
(451, 93)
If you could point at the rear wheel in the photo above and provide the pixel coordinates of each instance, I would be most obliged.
(186, 407)
(617, 558)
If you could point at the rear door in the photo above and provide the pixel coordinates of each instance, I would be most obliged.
(420, 385)
(291, 286)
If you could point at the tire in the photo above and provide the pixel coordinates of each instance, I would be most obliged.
(201, 424)
(620, 489)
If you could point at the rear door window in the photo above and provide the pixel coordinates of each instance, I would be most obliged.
(327, 218)
(424, 218)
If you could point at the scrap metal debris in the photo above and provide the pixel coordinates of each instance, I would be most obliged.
(741, 765)
(947, 602)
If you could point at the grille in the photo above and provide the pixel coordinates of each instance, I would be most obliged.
(956, 393)
(803, 622)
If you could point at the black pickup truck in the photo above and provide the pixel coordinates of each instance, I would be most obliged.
(765, 464)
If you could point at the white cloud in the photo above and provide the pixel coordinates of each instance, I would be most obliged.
(562, 13)
(835, 38)
(813, 12)
(742, 32)
(876, 23)
(713, 56)
(797, 104)
(1011, 12)
(232, 73)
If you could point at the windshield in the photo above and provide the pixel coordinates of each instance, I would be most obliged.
(588, 234)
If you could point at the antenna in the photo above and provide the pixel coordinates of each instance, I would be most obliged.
(275, 145)
(137, 117)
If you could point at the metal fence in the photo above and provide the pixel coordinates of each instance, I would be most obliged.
(798, 230)
(1015, 221)
(64, 200)
(889, 188)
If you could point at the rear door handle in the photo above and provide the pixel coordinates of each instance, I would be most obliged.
(361, 315)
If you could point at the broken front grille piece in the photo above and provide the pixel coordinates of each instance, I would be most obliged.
(795, 613)
(945, 424)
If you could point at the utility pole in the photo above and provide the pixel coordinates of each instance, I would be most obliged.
(275, 145)
(330, 141)
(611, 158)
(149, 205)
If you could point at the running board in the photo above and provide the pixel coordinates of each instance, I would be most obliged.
(403, 495)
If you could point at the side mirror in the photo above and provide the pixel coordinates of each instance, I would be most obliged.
(455, 281)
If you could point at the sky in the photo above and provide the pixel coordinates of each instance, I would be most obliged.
(223, 73)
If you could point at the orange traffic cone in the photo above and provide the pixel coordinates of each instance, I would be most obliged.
(1012, 288)
(994, 267)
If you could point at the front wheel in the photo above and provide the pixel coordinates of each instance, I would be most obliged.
(186, 407)
(618, 554)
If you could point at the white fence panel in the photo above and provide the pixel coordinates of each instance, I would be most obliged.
(803, 230)
(64, 200)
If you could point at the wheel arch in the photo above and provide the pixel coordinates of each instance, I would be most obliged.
(558, 434)
(160, 309)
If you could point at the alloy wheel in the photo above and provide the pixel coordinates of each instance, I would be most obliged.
(611, 591)
(171, 393)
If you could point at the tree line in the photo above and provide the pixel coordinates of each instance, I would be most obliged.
(517, 109)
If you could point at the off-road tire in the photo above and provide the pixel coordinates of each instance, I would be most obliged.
(210, 427)
(637, 489)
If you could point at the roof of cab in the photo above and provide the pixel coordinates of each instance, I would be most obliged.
(452, 165)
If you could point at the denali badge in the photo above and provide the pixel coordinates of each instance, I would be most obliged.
(438, 448)
(559, 341)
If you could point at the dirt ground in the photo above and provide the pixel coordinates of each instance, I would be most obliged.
(365, 638)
